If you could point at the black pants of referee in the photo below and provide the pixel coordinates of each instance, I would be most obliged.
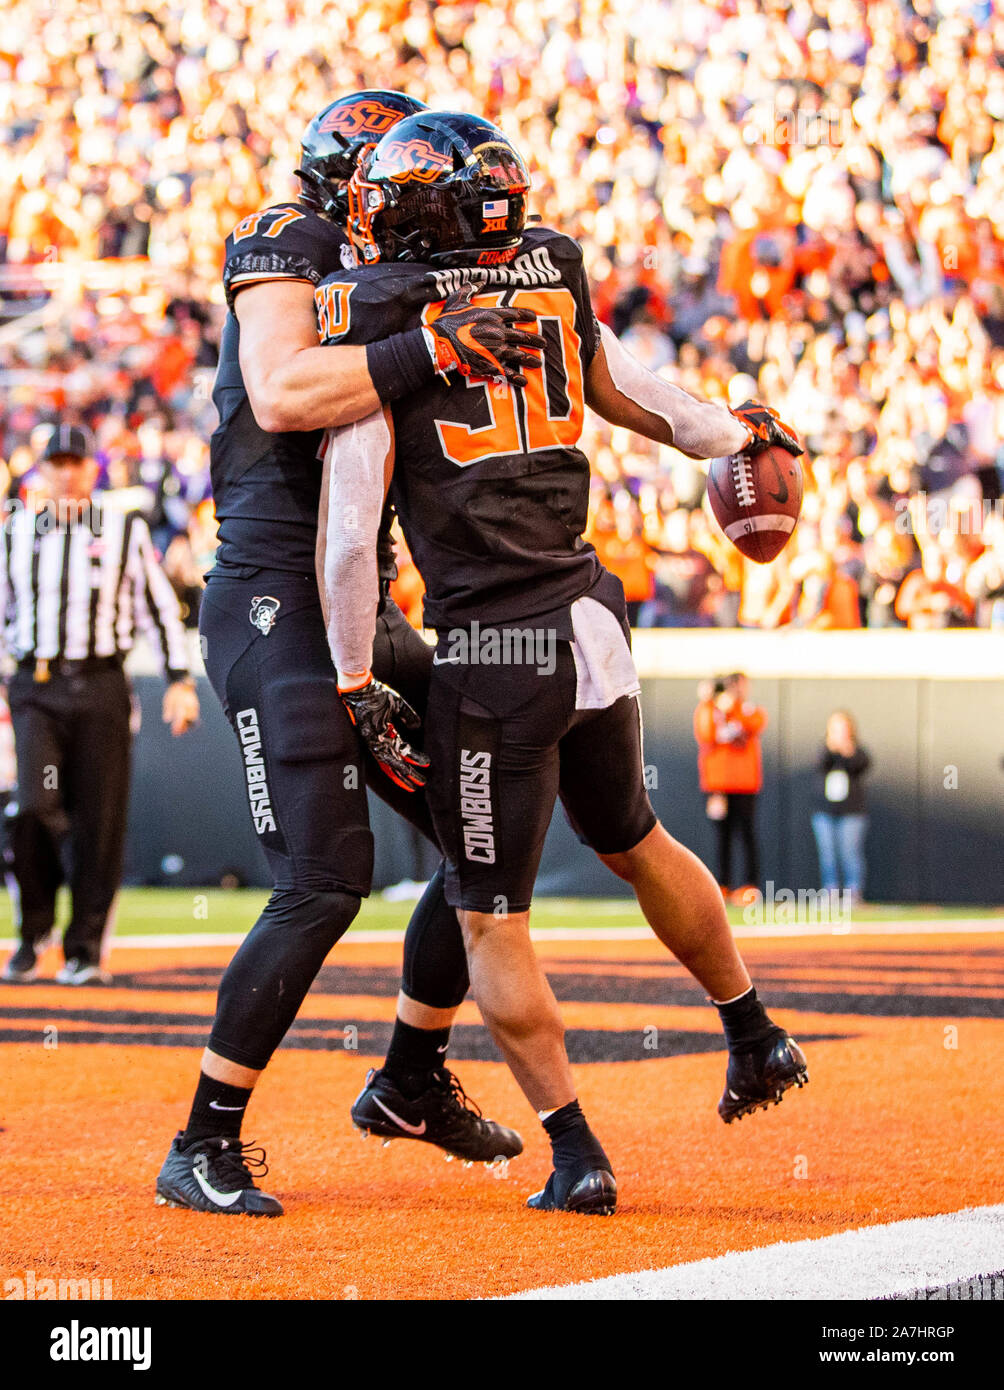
(72, 740)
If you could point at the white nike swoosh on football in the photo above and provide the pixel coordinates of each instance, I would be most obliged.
(213, 1105)
(408, 1129)
(224, 1199)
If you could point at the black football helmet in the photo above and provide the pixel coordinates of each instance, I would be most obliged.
(443, 187)
(333, 141)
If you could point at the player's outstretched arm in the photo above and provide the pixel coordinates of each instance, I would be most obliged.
(292, 382)
(624, 392)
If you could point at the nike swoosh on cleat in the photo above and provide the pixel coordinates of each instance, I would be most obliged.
(214, 1106)
(223, 1199)
(408, 1129)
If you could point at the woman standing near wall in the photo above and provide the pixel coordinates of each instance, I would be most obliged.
(839, 820)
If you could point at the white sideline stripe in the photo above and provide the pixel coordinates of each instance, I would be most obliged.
(926, 927)
(868, 1262)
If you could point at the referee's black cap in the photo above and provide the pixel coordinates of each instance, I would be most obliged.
(71, 440)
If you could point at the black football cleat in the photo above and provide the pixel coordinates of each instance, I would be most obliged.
(595, 1194)
(442, 1115)
(759, 1074)
(215, 1175)
(22, 967)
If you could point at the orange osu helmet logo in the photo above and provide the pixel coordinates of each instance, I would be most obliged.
(364, 117)
(402, 160)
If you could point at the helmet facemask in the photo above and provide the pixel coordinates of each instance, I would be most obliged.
(325, 184)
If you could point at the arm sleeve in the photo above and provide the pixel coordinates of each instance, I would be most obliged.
(352, 495)
(155, 604)
(696, 427)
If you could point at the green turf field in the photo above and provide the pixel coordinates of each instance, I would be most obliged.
(156, 911)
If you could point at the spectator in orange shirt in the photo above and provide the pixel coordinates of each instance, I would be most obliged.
(829, 599)
(927, 599)
(622, 550)
(727, 726)
(814, 593)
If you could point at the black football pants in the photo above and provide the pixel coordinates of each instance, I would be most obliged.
(72, 739)
(306, 772)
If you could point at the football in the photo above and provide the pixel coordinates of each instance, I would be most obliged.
(756, 501)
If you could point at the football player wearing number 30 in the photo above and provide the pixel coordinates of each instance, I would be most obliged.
(277, 390)
(492, 493)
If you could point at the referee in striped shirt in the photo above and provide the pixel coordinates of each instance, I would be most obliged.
(76, 581)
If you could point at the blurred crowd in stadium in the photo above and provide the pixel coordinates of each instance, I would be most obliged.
(801, 201)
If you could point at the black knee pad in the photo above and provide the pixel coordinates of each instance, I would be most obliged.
(267, 980)
(435, 963)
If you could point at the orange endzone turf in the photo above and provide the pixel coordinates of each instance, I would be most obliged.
(894, 1124)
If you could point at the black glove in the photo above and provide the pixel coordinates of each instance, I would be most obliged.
(768, 429)
(484, 341)
(373, 709)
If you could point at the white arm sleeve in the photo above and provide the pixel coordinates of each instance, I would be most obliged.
(352, 494)
(695, 427)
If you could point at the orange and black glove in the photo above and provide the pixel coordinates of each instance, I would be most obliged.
(373, 708)
(484, 341)
(767, 429)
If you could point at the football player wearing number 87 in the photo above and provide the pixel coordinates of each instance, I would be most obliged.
(492, 493)
(267, 658)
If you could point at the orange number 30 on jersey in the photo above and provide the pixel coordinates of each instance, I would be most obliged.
(547, 413)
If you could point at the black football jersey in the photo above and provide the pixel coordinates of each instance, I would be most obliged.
(266, 487)
(489, 484)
